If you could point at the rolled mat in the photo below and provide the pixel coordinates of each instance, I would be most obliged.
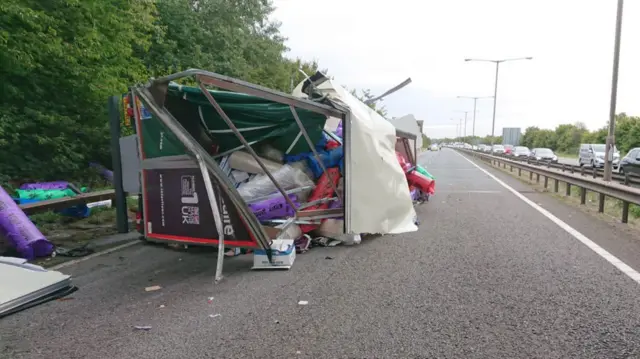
(44, 194)
(422, 182)
(424, 171)
(46, 185)
(20, 233)
(272, 208)
(323, 190)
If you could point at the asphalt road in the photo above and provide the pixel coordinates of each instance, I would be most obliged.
(486, 276)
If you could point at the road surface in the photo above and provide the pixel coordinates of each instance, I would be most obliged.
(486, 276)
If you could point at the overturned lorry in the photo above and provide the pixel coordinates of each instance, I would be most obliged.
(233, 164)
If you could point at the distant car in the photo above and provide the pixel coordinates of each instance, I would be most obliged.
(631, 162)
(497, 149)
(508, 149)
(593, 155)
(543, 154)
(521, 152)
(434, 147)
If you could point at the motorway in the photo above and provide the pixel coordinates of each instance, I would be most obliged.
(486, 276)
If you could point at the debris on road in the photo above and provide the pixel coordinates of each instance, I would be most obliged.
(153, 288)
(303, 302)
(214, 315)
(142, 327)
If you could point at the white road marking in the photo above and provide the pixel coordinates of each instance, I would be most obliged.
(622, 266)
(97, 254)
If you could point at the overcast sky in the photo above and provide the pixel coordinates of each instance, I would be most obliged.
(377, 44)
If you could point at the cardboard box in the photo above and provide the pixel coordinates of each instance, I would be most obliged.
(283, 253)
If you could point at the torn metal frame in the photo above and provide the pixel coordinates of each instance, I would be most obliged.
(157, 89)
(405, 137)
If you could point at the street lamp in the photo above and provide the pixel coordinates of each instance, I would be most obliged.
(465, 122)
(475, 100)
(608, 154)
(458, 128)
(495, 89)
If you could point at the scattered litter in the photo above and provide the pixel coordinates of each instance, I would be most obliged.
(298, 352)
(327, 257)
(153, 288)
(213, 315)
(161, 306)
(142, 327)
(210, 300)
(277, 322)
(303, 302)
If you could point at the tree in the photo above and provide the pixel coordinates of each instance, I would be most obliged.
(61, 59)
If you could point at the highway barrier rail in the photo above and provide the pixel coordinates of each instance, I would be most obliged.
(594, 172)
(621, 191)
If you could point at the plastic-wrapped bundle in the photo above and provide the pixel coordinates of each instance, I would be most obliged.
(43, 195)
(339, 130)
(45, 185)
(403, 161)
(276, 207)
(288, 177)
(329, 159)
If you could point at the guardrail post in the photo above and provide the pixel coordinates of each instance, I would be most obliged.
(582, 171)
(625, 212)
(555, 185)
(567, 189)
(601, 202)
(546, 181)
(537, 178)
(122, 218)
(511, 168)
(583, 195)
(595, 172)
(563, 167)
(530, 176)
(626, 178)
(519, 172)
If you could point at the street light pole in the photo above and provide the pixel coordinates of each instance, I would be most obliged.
(614, 95)
(495, 100)
(495, 89)
(475, 102)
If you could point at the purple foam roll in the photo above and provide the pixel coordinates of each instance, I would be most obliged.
(107, 174)
(21, 234)
(273, 208)
(339, 130)
(335, 204)
(415, 194)
(45, 185)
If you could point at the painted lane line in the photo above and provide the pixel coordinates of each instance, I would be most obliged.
(622, 266)
(97, 254)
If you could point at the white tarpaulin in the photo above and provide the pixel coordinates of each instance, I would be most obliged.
(379, 192)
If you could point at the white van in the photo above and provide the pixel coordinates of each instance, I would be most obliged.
(593, 155)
